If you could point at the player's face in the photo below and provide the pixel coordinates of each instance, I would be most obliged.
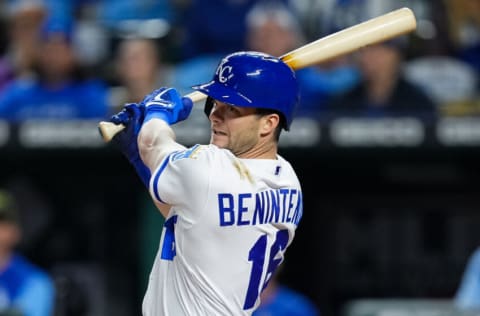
(235, 128)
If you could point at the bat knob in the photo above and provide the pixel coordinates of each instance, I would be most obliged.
(108, 130)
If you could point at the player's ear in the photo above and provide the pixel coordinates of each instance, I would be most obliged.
(269, 123)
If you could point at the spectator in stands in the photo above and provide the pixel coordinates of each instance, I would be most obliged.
(468, 293)
(280, 300)
(383, 89)
(273, 29)
(59, 90)
(112, 13)
(220, 35)
(23, 20)
(207, 40)
(24, 287)
(139, 69)
(6, 69)
(464, 29)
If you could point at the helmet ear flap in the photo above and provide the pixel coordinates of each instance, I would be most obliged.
(208, 106)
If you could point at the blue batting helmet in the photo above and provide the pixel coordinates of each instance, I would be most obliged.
(253, 79)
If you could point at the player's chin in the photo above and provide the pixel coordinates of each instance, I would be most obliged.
(219, 141)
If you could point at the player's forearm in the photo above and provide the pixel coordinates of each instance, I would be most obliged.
(155, 141)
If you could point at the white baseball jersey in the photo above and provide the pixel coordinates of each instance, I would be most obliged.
(227, 231)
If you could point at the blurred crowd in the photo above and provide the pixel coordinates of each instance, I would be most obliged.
(83, 59)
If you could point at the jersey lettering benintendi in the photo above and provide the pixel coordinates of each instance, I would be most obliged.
(230, 224)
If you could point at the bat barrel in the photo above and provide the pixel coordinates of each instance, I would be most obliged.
(376, 30)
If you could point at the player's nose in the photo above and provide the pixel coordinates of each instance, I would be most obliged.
(216, 114)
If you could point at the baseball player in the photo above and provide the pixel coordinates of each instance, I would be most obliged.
(231, 207)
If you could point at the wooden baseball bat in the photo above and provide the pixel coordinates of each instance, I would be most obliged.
(376, 30)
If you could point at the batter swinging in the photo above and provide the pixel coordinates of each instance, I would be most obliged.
(231, 207)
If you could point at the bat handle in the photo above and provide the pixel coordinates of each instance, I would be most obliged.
(196, 96)
(108, 129)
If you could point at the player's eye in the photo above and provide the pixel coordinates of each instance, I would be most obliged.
(233, 109)
(226, 108)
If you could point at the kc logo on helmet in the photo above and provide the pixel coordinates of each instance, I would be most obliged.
(224, 72)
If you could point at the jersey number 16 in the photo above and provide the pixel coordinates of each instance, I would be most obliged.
(256, 255)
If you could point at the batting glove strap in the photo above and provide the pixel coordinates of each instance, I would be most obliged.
(167, 105)
(160, 112)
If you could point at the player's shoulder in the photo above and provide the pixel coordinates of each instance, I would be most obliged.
(187, 153)
(199, 152)
(285, 163)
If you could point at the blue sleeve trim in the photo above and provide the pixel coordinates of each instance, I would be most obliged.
(157, 176)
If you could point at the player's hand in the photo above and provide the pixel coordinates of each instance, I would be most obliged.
(167, 104)
(132, 117)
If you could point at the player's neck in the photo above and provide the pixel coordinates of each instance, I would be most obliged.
(261, 151)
